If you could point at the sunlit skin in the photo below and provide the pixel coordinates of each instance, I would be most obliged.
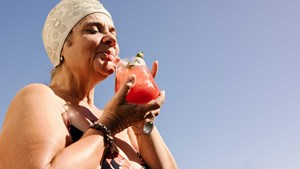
(93, 42)
(34, 132)
(90, 53)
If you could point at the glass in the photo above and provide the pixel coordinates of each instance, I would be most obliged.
(144, 89)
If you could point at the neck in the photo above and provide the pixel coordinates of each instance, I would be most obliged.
(73, 89)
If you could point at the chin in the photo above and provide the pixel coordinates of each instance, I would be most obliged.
(110, 72)
(105, 69)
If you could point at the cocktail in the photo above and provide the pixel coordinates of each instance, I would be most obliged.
(145, 88)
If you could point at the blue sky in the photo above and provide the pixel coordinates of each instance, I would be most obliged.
(230, 70)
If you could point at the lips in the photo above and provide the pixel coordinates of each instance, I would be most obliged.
(107, 55)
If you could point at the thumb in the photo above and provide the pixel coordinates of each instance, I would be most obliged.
(154, 69)
(125, 88)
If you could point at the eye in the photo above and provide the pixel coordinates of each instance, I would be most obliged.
(114, 32)
(92, 31)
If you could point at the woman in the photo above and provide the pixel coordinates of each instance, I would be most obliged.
(58, 126)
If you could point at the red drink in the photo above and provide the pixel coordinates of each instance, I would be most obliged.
(145, 88)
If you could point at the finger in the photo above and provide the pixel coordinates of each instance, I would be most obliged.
(156, 112)
(161, 99)
(158, 102)
(125, 88)
(153, 105)
(150, 115)
(154, 69)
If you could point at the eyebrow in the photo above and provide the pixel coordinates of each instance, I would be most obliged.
(93, 24)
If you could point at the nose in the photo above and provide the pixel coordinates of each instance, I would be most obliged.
(109, 39)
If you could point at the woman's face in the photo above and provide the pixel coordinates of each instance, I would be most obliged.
(92, 47)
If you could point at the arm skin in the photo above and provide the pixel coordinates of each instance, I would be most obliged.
(34, 135)
(152, 147)
(159, 155)
(153, 150)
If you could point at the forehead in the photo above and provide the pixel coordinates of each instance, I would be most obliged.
(99, 18)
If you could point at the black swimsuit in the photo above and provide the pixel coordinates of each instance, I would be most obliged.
(76, 134)
(111, 161)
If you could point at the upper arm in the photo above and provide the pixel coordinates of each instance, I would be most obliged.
(33, 131)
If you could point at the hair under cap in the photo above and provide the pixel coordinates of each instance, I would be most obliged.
(61, 20)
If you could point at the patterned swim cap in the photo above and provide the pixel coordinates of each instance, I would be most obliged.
(61, 20)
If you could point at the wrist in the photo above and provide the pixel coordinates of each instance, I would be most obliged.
(108, 138)
(144, 129)
(110, 123)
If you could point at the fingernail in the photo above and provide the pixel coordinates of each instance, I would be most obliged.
(131, 78)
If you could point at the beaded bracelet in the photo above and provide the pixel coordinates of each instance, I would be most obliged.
(108, 138)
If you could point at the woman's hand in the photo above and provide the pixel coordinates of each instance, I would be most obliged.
(118, 114)
(137, 128)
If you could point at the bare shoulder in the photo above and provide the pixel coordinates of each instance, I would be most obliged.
(29, 98)
(36, 89)
(34, 101)
(32, 118)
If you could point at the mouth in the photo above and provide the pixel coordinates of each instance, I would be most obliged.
(108, 59)
(107, 55)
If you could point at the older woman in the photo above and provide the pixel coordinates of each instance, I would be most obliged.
(59, 126)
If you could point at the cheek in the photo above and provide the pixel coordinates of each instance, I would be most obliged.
(88, 42)
(91, 43)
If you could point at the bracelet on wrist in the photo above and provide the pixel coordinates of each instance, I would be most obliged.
(108, 138)
(147, 128)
